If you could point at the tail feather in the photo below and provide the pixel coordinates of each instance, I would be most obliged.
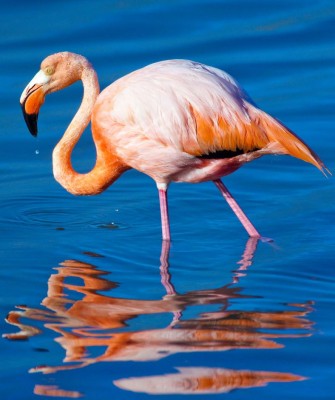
(287, 141)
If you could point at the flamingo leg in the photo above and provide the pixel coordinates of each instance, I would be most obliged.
(252, 231)
(164, 214)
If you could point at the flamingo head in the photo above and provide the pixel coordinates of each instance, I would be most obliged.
(57, 72)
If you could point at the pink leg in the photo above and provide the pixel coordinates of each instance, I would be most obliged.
(252, 231)
(164, 214)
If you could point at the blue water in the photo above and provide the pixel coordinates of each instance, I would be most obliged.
(88, 305)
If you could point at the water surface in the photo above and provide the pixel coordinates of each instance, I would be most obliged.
(91, 303)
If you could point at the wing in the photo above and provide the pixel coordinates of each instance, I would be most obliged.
(199, 110)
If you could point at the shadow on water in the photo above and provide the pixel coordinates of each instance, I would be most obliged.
(100, 321)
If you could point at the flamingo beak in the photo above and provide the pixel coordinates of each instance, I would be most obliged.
(32, 99)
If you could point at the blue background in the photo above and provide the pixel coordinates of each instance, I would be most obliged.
(283, 54)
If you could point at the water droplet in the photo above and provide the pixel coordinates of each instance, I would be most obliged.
(37, 151)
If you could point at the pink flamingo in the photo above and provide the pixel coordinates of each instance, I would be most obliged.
(176, 121)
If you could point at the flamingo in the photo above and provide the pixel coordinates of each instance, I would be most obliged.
(174, 120)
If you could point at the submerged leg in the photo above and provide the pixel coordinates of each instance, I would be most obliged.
(252, 231)
(164, 212)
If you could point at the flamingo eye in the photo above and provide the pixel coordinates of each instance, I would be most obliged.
(49, 70)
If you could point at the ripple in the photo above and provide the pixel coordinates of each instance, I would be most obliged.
(110, 225)
(56, 212)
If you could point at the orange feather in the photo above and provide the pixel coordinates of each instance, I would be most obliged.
(260, 132)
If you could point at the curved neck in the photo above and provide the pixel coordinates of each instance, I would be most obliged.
(107, 168)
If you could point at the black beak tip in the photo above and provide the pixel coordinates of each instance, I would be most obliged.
(33, 129)
(31, 121)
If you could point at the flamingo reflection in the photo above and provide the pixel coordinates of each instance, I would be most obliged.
(55, 391)
(99, 321)
(203, 381)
